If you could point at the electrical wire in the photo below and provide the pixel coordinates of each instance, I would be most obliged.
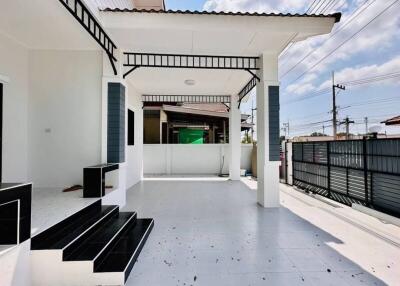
(356, 82)
(328, 6)
(346, 41)
(344, 25)
(310, 7)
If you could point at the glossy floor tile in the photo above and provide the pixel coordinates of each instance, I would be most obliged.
(212, 232)
(51, 205)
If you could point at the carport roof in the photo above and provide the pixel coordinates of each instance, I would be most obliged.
(337, 16)
(205, 33)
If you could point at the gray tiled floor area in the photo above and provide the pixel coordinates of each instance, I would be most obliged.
(213, 233)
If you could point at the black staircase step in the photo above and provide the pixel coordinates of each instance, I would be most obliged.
(61, 234)
(123, 255)
(91, 245)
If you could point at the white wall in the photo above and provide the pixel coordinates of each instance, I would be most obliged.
(15, 264)
(64, 115)
(134, 154)
(191, 159)
(14, 65)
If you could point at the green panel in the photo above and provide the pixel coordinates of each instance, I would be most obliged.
(191, 136)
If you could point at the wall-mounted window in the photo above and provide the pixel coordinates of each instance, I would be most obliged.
(131, 127)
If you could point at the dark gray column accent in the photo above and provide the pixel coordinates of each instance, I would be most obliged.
(116, 123)
(273, 114)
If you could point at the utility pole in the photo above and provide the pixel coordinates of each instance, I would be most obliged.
(287, 128)
(347, 121)
(323, 129)
(366, 125)
(334, 107)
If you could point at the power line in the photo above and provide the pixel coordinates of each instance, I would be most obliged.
(356, 82)
(292, 44)
(331, 36)
(315, 11)
(328, 3)
(390, 100)
(373, 79)
(328, 6)
(310, 116)
(346, 41)
(310, 7)
(284, 52)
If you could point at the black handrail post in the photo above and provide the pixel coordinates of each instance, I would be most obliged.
(371, 198)
(328, 155)
(365, 163)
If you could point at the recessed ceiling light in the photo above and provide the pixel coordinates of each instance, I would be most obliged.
(190, 82)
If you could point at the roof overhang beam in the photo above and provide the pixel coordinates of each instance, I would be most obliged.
(186, 98)
(136, 60)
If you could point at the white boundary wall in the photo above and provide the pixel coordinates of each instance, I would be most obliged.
(173, 159)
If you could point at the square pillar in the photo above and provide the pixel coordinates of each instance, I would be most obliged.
(268, 155)
(114, 122)
(234, 139)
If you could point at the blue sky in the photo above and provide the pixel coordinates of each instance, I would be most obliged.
(369, 50)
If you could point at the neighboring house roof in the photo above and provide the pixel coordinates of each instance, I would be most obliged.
(129, 4)
(113, 4)
(392, 121)
(337, 16)
(217, 107)
(198, 111)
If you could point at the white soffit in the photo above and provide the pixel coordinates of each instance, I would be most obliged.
(169, 81)
(209, 33)
(203, 34)
(43, 24)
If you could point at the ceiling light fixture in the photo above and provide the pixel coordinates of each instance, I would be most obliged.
(190, 82)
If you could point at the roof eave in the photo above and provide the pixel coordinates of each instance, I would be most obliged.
(337, 16)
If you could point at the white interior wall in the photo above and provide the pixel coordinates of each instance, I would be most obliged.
(64, 115)
(191, 159)
(14, 66)
(134, 154)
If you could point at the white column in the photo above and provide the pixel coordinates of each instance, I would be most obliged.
(267, 166)
(234, 139)
(108, 76)
(117, 197)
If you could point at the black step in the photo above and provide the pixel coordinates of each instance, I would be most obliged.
(91, 244)
(123, 255)
(61, 234)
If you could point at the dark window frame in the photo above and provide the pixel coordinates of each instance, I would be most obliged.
(1, 132)
(131, 127)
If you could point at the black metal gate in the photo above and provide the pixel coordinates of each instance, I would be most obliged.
(360, 171)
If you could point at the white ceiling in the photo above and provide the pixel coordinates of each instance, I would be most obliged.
(46, 24)
(207, 35)
(43, 24)
(159, 81)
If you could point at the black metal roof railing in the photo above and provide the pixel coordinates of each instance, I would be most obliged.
(82, 14)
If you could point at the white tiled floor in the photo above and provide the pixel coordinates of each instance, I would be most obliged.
(214, 233)
(51, 205)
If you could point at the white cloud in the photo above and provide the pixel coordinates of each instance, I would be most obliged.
(349, 74)
(300, 89)
(361, 72)
(381, 34)
(377, 37)
(256, 5)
